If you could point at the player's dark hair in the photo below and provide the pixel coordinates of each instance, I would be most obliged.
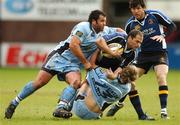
(94, 15)
(133, 33)
(135, 3)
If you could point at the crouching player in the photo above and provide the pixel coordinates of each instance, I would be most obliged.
(101, 89)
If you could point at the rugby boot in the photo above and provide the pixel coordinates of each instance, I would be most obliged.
(9, 111)
(62, 113)
(146, 117)
(112, 111)
(164, 115)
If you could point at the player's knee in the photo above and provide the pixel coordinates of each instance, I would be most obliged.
(76, 84)
(161, 79)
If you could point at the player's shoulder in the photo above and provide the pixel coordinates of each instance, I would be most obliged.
(130, 20)
(83, 26)
(158, 12)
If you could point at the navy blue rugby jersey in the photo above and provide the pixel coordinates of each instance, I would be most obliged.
(126, 58)
(154, 23)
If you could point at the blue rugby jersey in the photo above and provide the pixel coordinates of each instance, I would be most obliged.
(126, 58)
(153, 24)
(106, 91)
(87, 35)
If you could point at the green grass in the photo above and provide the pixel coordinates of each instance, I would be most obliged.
(37, 109)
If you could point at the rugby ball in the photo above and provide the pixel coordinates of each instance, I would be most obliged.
(113, 47)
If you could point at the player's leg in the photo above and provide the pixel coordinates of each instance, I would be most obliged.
(68, 95)
(116, 107)
(135, 98)
(42, 78)
(135, 101)
(161, 74)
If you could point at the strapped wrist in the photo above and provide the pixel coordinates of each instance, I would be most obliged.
(163, 35)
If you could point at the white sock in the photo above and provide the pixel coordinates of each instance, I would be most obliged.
(164, 110)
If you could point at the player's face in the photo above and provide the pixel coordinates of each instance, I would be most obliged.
(135, 42)
(99, 24)
(138, 12)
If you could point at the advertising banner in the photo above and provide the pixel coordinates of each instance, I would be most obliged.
(48, 10)
(24, 54)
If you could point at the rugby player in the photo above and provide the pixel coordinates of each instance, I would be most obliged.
(66, 59)
(153, 53)
(102, 89)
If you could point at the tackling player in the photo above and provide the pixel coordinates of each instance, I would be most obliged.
(66, 59)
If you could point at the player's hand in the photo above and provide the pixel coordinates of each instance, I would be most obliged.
(117, 53)
(87, 66)
(110, 74)
(159, 38)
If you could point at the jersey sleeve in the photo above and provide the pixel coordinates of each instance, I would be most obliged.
(79, 31)
(110, 30)
(112, 36)
(165, 21)
(128, 24)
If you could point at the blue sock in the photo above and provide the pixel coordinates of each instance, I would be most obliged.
(70, 105)
(67, 98)
(25, 92)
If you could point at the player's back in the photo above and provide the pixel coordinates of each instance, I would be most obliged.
(106, 91)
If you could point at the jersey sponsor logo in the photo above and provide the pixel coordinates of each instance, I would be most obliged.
(137, 27)
(78, 33)
(149, 31)
(150, 21)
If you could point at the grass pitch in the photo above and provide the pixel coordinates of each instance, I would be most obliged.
(37, 109)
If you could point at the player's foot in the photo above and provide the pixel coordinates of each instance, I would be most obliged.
(164, 116)
(112, 111)
(62, 113)
(9, 111)
(146, 117)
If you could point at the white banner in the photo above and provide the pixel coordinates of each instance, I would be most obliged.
(48, 10)
(24, 54)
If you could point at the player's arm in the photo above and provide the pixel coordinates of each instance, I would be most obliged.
(113, 75)
(120, 30)
(101, 43)
(76, 50)
(168, 25)
(94, 58)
